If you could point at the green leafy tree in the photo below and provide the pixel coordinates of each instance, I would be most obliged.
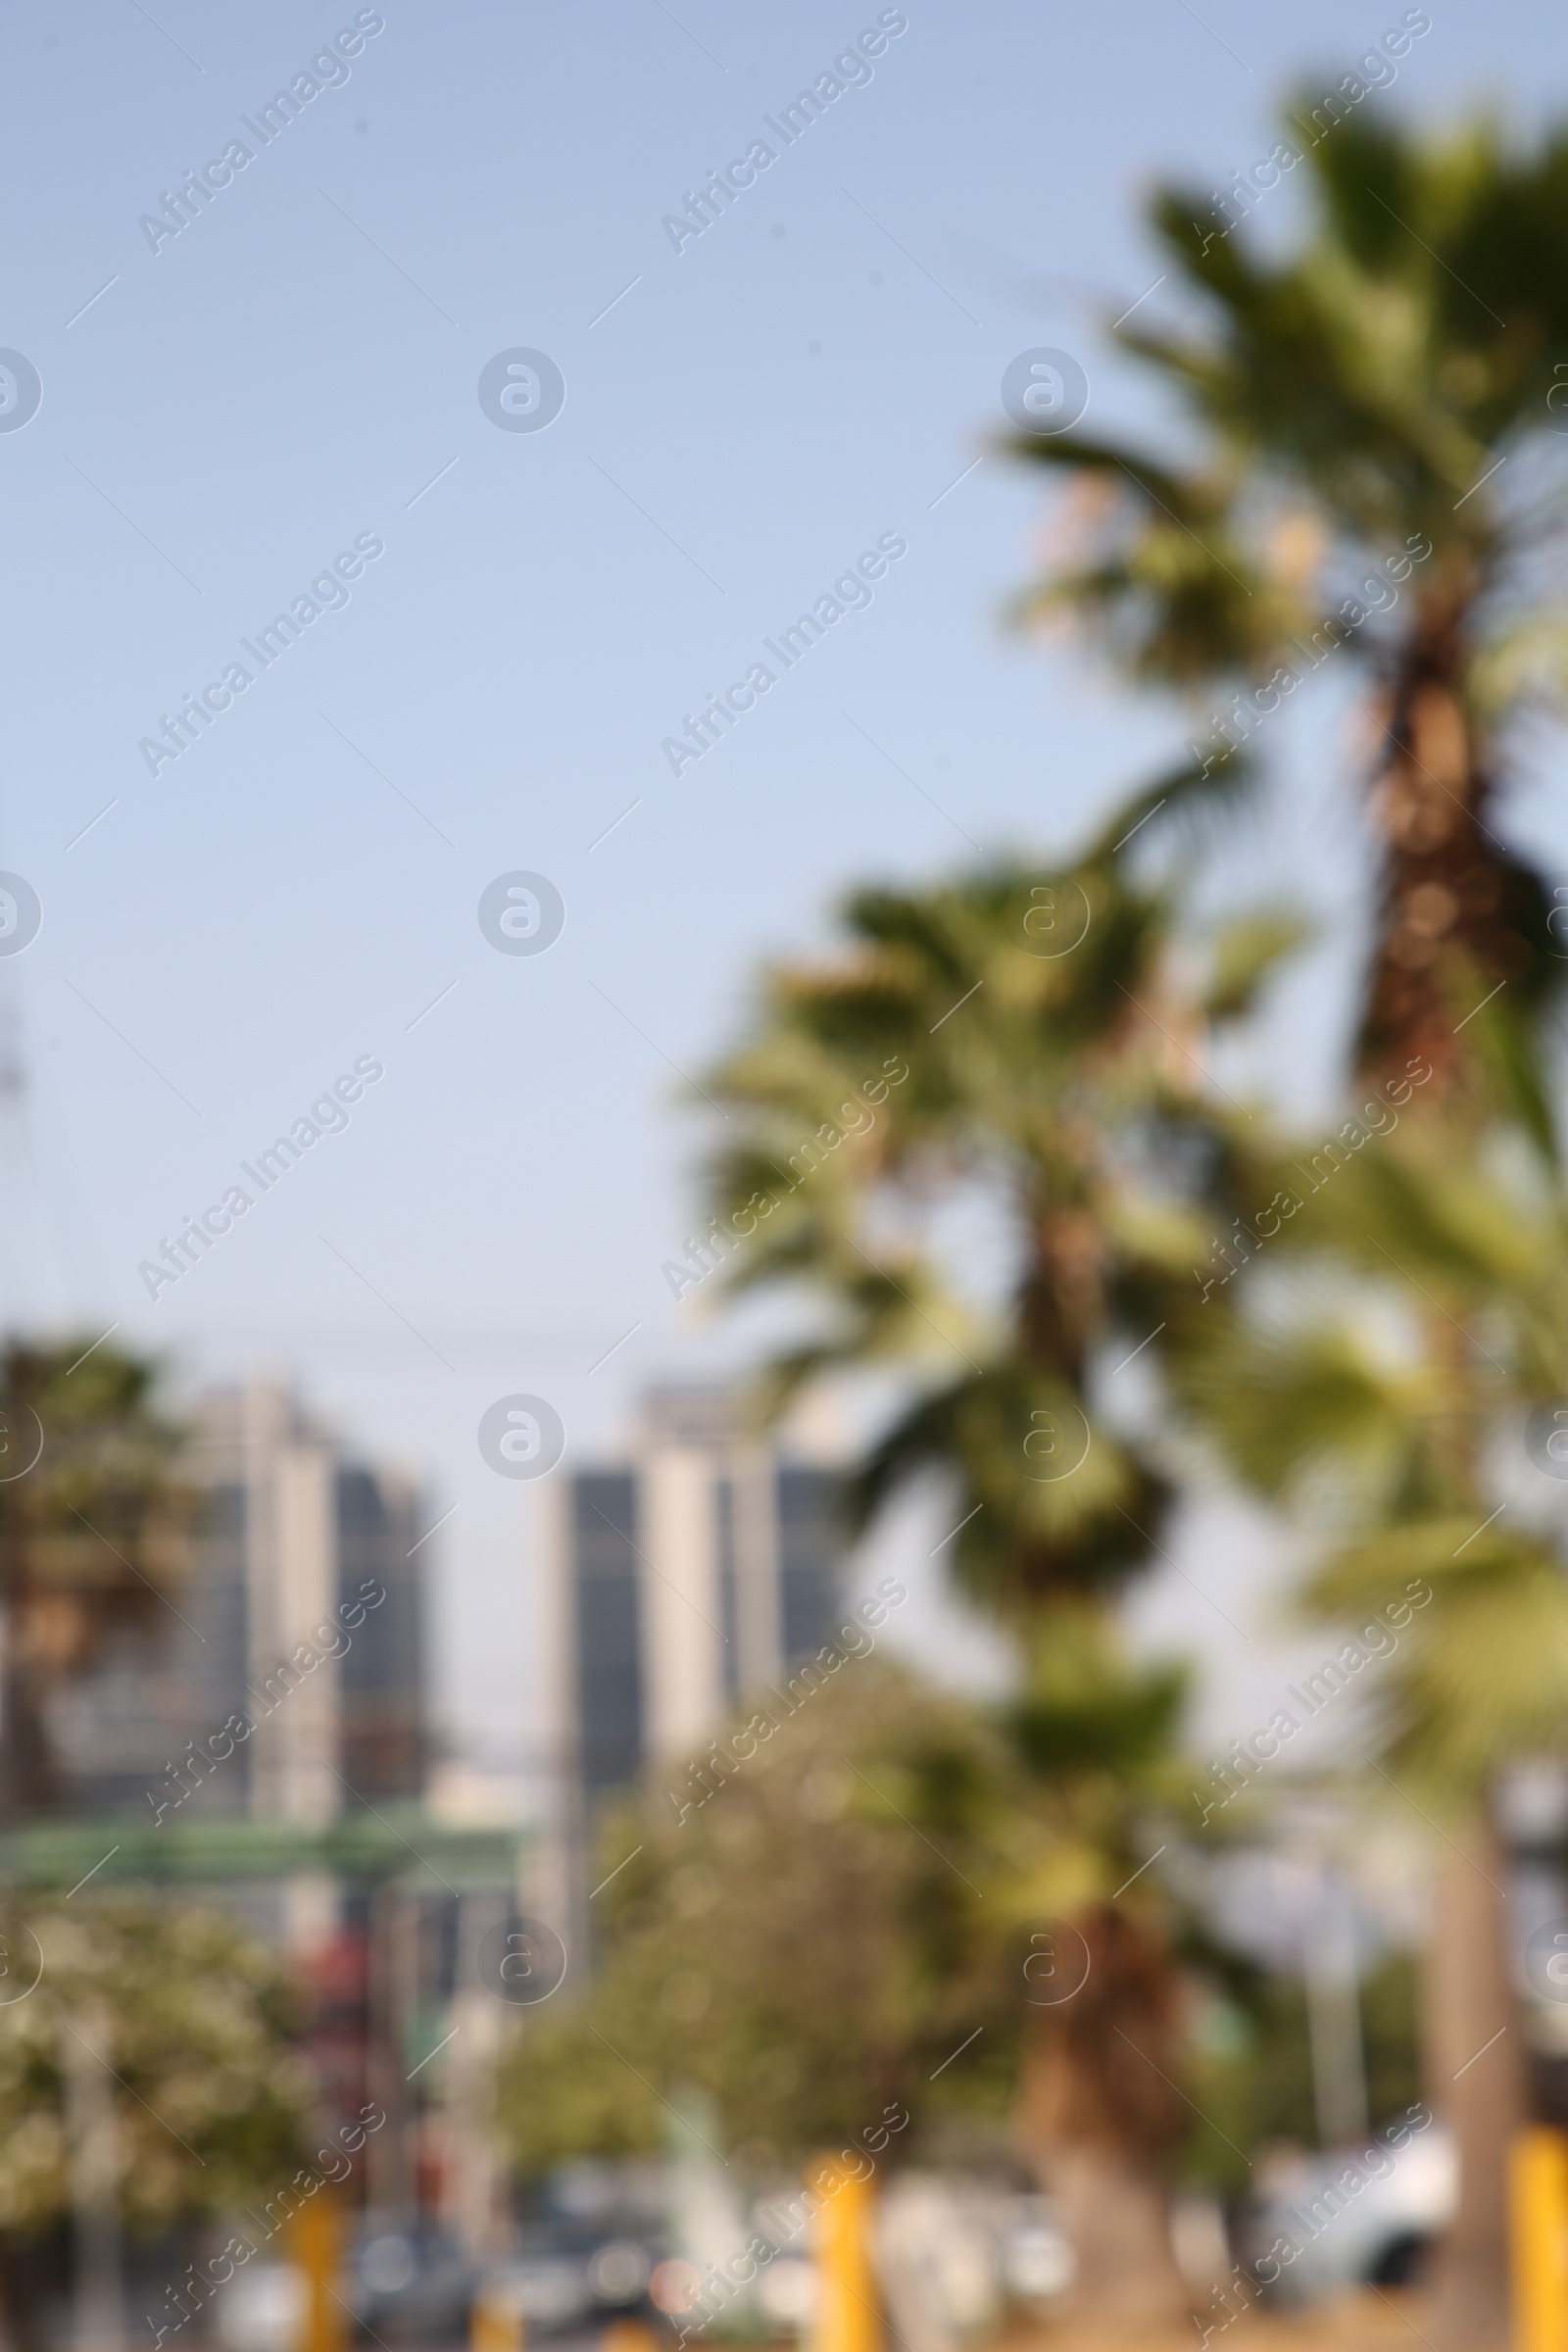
(212, 2099)
(182, 2020)
(1250, 2074)
(802, 1947)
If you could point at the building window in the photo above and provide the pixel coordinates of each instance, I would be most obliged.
(609, 1631)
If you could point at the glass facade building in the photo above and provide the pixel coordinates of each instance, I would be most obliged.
(675, 1584)
(291, 1546)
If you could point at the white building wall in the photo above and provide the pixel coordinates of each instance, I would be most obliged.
(758, 1615)
(291, 1584)
(683, 1643)
(553, 1866)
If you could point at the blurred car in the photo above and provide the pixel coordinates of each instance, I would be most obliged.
(409, 2277)
(786, 2294)
(262, 2309)
(1037, 2261)
(952, 2248)
(564, 2276)
(1351, 2222)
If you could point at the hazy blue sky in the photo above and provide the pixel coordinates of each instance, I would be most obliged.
(289, 373)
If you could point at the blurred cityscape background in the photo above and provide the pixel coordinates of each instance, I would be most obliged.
(784, 1271)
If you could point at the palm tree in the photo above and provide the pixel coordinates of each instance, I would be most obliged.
(1366, 469)
(1015, 1044)
(92, 1515)
(1377, 1381)
(976, 1139)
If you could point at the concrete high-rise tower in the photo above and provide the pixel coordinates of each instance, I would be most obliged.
(673, 1584)
(294, 1537)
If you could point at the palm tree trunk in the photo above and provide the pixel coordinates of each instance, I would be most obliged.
(1099, 2110)
(1474, 2065)
(1451, 890)
(1118, 2218)
(1455, 902)
(28, 1781)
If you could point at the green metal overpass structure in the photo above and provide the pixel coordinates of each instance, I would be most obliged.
(403, 1846)
(400, 1861)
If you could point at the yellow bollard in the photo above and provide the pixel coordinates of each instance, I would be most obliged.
(847, 2316)
(1538, 2214)
(628, 2335)
(315, 2244)
(495, 2320)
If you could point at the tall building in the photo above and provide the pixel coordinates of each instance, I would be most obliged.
(282, 1683)
(675, 1584)
(300, 1616)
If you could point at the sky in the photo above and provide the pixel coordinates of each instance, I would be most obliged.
(519, 620)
